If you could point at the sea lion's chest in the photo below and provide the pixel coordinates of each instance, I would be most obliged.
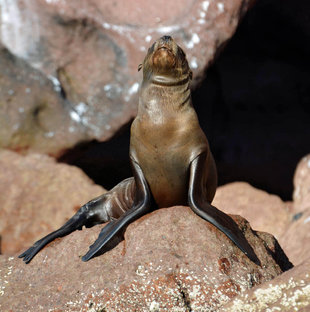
(164, 151)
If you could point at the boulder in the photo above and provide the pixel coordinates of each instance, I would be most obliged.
(296, 239)
(37, 195)
(288, 292)
(301, 195)
(170, 260)
(90, 52)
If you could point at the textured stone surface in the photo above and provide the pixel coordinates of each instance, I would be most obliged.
(288, 292)
(296, 239)
(32, 114)
(265, 212)
(301, 195)
(90, 50)
(37, 195)
(171, 260)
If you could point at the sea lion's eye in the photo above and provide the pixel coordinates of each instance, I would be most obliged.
(140, 67)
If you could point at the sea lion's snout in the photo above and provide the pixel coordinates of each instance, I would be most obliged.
(164, 55)
(165, 58)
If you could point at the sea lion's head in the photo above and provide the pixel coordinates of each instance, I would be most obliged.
(165, 58)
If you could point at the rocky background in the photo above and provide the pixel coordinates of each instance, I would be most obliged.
(68, 91)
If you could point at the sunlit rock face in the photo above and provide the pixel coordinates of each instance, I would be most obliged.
(86, 55)
(170, 260)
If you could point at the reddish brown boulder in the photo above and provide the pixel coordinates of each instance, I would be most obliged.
(170, 259)
(301, 195)
(288, 292)
(90, 50)
(296, 239)
(265, 212)
(37, 195)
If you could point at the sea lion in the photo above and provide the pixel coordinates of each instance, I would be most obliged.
(170, 158)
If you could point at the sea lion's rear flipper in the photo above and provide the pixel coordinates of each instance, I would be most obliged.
(99, 210)
(198, 203)
(88, 215)
(141, 205)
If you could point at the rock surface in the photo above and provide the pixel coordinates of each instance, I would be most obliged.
(37, 196)
(296, 239)
(288, 292)
(265, 212)
(90, 50)
(171, 260)
(32, 114)
(301, 195)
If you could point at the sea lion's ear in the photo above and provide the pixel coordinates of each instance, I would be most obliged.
(139, 67)
(190, 75)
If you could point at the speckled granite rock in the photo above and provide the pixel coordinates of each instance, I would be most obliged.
(90, 50)
(171, 260)
(265, 212)
(288, 292)
(37, 195)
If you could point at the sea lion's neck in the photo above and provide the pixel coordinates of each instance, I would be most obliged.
(165, 81)
(164, 94)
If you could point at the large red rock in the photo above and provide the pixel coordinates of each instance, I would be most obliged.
(265, 212)
(37, 195)
(90, 50)
(171, 260)
(288, 292)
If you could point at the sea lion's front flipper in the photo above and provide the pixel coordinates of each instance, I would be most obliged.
(198, 203)
(141, 205)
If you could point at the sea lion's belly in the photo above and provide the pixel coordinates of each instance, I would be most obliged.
(164, 153)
